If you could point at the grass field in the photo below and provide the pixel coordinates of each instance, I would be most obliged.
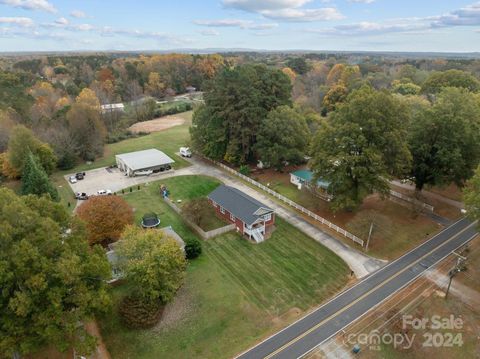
(396, 227)
(235, 294)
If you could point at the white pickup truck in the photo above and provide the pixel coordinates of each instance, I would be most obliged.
(143, 173)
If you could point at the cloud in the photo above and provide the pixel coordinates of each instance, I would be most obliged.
(42, 5)
(304, 15)
(262, 5)
(78, 14)
(466, 16)
(19, 21)
(366, 28)
(285, 10)
(242, 24)
(210, 32)
(362, 1)
(61, 21)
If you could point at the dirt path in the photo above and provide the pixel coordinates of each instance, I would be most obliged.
(101, 352)
(157, 124)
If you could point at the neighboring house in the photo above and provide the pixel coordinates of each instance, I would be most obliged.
(145, 160)
(251, 217)
(304, 178)
(112, 107)
(113, 259)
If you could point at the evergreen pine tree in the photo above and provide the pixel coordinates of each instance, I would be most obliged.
(35, 180)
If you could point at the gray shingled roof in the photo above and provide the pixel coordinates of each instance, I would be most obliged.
(145, 159)
(238, 203)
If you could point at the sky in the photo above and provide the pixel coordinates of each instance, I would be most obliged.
(347, 25)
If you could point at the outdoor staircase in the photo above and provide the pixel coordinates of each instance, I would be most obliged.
(257, 236)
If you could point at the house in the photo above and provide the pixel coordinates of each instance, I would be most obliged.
(251, 217)
(113, 258)
(146, 160)
(112, 107)
(301, 178)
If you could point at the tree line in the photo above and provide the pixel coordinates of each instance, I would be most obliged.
(365, 137)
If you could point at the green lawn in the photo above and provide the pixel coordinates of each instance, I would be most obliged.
(235, 294)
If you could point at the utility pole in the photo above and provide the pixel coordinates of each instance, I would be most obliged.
(454, 271)
(369, 236)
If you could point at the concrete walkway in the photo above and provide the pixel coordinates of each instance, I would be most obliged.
(360, 263)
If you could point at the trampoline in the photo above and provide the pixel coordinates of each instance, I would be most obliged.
(150, 220)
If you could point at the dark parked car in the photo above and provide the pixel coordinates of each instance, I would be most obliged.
(80, 175)
(81, 196)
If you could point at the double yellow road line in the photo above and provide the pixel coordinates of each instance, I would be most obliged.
(304, 334)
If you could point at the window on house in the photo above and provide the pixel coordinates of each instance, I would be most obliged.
(222, 210)
(267, 217)
(232, 217)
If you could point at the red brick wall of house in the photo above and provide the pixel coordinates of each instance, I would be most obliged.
(226, 216)
(238, 222)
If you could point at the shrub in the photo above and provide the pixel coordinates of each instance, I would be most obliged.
(193, 247)
(244, 170)
(138, 314)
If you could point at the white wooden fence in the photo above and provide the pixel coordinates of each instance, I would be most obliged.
(288, 201)
(408, 199)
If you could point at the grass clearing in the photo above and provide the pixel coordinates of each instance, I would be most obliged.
(396, 228)
(235, 294)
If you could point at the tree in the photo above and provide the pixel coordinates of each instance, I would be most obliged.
(50, 279)
(21, 142)
(236, 102)
(445, 139)
(336, 95)
(282, 137)
(405, 88)
(105, 217)
(153, 264)
(362, 145)
(290, 73)
(298, 64)
(35, 180)
(155, 87)
(450, 78)
(471, 196)
(86, 126)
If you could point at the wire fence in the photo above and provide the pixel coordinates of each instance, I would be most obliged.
(293, 204)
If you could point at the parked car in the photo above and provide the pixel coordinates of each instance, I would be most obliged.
(72, 179)
(143, 173)
(81, 196)
(185, 152)
(80, 175)
(104, 192)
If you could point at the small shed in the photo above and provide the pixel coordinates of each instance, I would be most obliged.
(305, 178)
(151, 159)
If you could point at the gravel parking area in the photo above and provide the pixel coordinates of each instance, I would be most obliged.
(113, 179)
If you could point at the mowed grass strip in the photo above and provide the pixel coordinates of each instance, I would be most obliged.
(287, 270)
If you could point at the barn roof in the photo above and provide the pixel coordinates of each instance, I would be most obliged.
(241, 205)
(144, 159)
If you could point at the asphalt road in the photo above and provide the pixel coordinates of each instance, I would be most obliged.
(323, 323)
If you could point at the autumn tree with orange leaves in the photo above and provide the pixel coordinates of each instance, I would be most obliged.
(106, 217)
